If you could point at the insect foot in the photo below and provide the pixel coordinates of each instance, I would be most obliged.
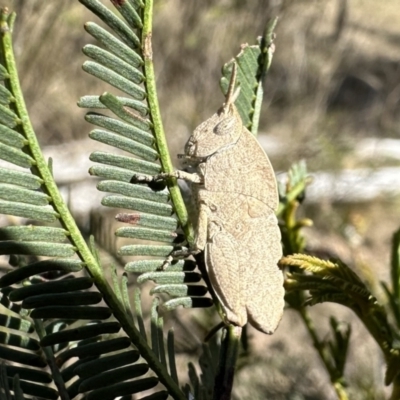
(156, 182)
(180, 253)
(234, 175)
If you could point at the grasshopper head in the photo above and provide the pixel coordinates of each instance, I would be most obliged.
(221, 130)
(217, 132)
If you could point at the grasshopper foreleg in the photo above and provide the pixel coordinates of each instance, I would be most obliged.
(194, 178)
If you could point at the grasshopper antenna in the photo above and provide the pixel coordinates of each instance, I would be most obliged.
(232, 94)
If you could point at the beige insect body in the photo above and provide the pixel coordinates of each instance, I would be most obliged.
(236, 195)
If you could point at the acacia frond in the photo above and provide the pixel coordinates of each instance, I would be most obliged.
(56, 318)
(308, 263)
(299, 281)
(253, 63)
(347, 286)
(336, 282)
(135, 128)
(203, 385)
(339, 274)
(335, 297)
(328, 281)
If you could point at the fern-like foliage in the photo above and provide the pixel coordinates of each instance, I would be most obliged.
(311, 280)
(253, 63)
(6, 388)
(291, 195)
(330, 281)
(134, 127)
(201, 387)
(55, 329)
(333, 353)
(336, 282)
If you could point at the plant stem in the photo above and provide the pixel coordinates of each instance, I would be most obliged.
(227, 363)
(340, 391)
(155, 116)
(267, 47)
(294, 243)
(339, 388)
(55, 371)
(396, 389)
(395, 264)
(41, 169)
(297, 189)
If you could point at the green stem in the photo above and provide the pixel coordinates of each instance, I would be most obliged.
(395, 265)
(340, 391)
(292, 196)
(227, 363)
(316, 342)
(55, 371)
(337, 385)
(267, 47)
(269, 37)
(396, 389)
(294, 243)
(155, 116)
(378, 331)
(69, 223)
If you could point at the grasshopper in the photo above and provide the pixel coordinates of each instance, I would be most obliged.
(236, 195)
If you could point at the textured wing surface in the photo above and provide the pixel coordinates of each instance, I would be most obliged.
(244, 169)
(222, 261)
(242, 253)
(264, 291)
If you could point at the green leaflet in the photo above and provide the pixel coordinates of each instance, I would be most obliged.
(253, 63)
(24, 272)
(23, 179)
(111, 377)
(11, 137)
(94, 102)
(127, 189)
(115, 46)
(125, 144)
(114, 63)
(125, 162)
(19, 194)
(141, 266)
(114, 79)
(75, 298)
(92, 368)
(135, 129)
(38, 213)
(33, 233)
(121, 127)
(116, 24)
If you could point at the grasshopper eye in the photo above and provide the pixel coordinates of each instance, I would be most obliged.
(225, 126)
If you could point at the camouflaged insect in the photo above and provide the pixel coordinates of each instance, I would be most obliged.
(236, 196)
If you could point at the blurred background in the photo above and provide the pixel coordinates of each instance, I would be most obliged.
(332, 98)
